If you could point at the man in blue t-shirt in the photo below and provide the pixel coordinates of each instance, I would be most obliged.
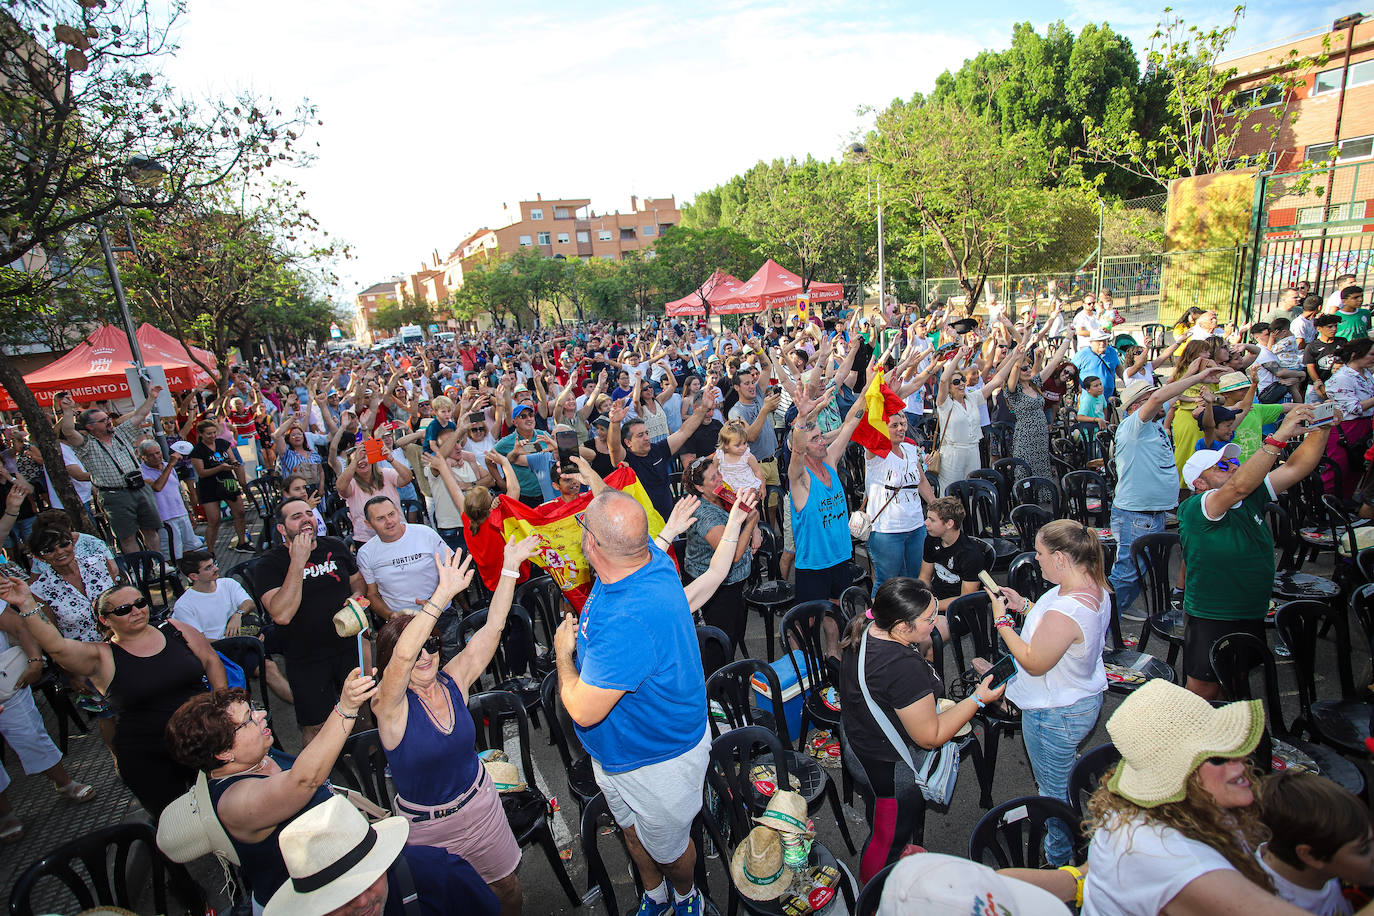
(637, 698)
(1099, 358)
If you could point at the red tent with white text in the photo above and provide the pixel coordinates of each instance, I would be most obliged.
(168, 347)
(94, 371)
(721, 286)
(776, 286)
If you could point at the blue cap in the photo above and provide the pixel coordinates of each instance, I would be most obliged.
(519, 409)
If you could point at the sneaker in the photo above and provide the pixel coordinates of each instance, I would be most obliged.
(242, 548)
(650, 907)
(1170, 619)
(692, 906)
(1134, 613)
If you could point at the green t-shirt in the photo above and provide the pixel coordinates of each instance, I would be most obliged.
(1354, 326)
(1230, 561)
(1249, 433)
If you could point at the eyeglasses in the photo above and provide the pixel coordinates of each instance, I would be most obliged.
(957, 380)
(59, 545)
(583, 523)
(1225, 463)
(123, 610)
(432, 645)
(253, 710)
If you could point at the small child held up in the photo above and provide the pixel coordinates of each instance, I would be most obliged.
(443, 420)
(738, 467)
(1322, 836)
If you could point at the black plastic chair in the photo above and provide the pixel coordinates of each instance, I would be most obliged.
(1012, 469)
(1024, 576)
(1129, 669)
(339, 524)
(1235, 657)
(417, 508)
(1087, 498)
(105, 855)
(804, 628)
(1343, 723)
(982, 517)
(577, 763)
(147, 570)
(596, 814)
(265, 494)
(854, 601)
(1151, 553)
(1087, 774)
(732, 690)
(362, 766)
(872, 892)
(1037, 491)
(528, 810)
(1029, 519)
(513, 666)
(766, 592)
(971, 635)
(247, 652)
(1012, 835)
(714, 647)
(1290, 582)
(1346, 573)
(1001, 486)
(733, 755)
(541, 597)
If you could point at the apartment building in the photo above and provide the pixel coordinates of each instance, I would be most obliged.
(368, 301)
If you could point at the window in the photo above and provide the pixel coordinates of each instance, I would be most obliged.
(1337, 213)
(543, 238)
(537, 213)
(647, 230)
(608, 257)
(627, 233)
(562, 213)
(1351, 148)
(1330, 80)
(583, 237)
(664, 227)
(525, 241)
(1260, 97)
(563, 238)
(604, 235)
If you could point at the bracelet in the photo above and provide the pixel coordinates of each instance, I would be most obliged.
(978, 700)
(1003, 621)
(1276, 442)
(12, 514)
(733, 540)
(35, 610)
(1270, 451)
(1078, 877)
(510, 573)
(36, 661)
(428, 613)
(339, 710)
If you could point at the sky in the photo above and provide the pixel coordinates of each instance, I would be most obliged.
(436, 114)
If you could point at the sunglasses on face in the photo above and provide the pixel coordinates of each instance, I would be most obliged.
(957, 380)
(432, 645)
(1226, 463)
(124, 610)
(56, 546)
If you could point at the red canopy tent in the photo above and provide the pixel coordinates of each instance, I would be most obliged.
(150, 338)
(775, 285)
(720, 286)
(94, 370)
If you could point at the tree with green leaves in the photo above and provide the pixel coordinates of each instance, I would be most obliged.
(388, 318)
(1202, 121)
(684, 259)
(957, 181)
(539, 280)
(489, 288)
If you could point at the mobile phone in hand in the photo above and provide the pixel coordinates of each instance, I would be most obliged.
(1003, 671)
(986, 578)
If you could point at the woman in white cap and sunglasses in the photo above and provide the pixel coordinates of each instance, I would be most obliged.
(145, 672)
(1175, 824)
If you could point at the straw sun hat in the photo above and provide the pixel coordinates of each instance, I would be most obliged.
(757, 867)
(332, 855)
(1165, 732)
(786, 813)
(189, 827)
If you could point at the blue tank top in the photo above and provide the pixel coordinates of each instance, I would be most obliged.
(261, 862)
(428, 766)
(821, 529)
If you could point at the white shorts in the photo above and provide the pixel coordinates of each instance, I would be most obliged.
(660, 800)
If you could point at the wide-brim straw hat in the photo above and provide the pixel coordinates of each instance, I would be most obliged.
(1233, 381)
(1165, 732)
(332, 855)
(786, 813)
(504, 775)
(757, 867)
(932, 884)
(188, 828)
(1135, 391)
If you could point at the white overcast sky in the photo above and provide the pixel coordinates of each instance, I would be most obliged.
(438, 113)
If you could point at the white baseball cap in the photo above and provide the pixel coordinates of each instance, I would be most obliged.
(1206, 458)
(938, 885)
(182, 447)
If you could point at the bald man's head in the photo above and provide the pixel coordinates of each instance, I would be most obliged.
(618, 523)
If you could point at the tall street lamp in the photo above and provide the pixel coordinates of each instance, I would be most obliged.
(860, 153)
(145, 173)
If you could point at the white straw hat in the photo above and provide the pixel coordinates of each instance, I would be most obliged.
(1165, 732)
(188, 828)
(938, 885)
(332, 855)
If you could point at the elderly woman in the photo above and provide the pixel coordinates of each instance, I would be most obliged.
(144, 671)
(442, 788)
(726, 608)
(53, 525)
(256, 790)
(1060, 679)
(1175, 825)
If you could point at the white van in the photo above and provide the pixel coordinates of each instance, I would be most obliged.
(411, 335)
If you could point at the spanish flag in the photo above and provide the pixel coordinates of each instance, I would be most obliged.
(560, 535)
(882, 402)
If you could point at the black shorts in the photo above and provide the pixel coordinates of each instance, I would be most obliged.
(1199, 633)
(316, 684)
(817, 584)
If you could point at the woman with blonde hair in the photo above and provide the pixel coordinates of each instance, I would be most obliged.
(1060, 677)
(1175, 824)
(1184, 426)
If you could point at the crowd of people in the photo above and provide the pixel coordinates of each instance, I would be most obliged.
(382, 483)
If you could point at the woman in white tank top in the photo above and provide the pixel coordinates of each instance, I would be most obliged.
(1060, 678)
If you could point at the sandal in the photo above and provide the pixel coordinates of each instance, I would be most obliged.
(11, 828)
(75, 791)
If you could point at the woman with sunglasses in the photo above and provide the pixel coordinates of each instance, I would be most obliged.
(960, 422)
(144, 671)
(441, 787)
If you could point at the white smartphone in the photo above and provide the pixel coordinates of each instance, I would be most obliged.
(986, 578)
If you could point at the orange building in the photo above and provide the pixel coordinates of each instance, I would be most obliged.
(388, 292)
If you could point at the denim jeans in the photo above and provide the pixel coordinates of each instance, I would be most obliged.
(453, 537)
(1127, 526)
(896, 554)
(1052, 738)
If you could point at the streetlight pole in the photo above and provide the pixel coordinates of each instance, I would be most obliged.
(860, 153)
